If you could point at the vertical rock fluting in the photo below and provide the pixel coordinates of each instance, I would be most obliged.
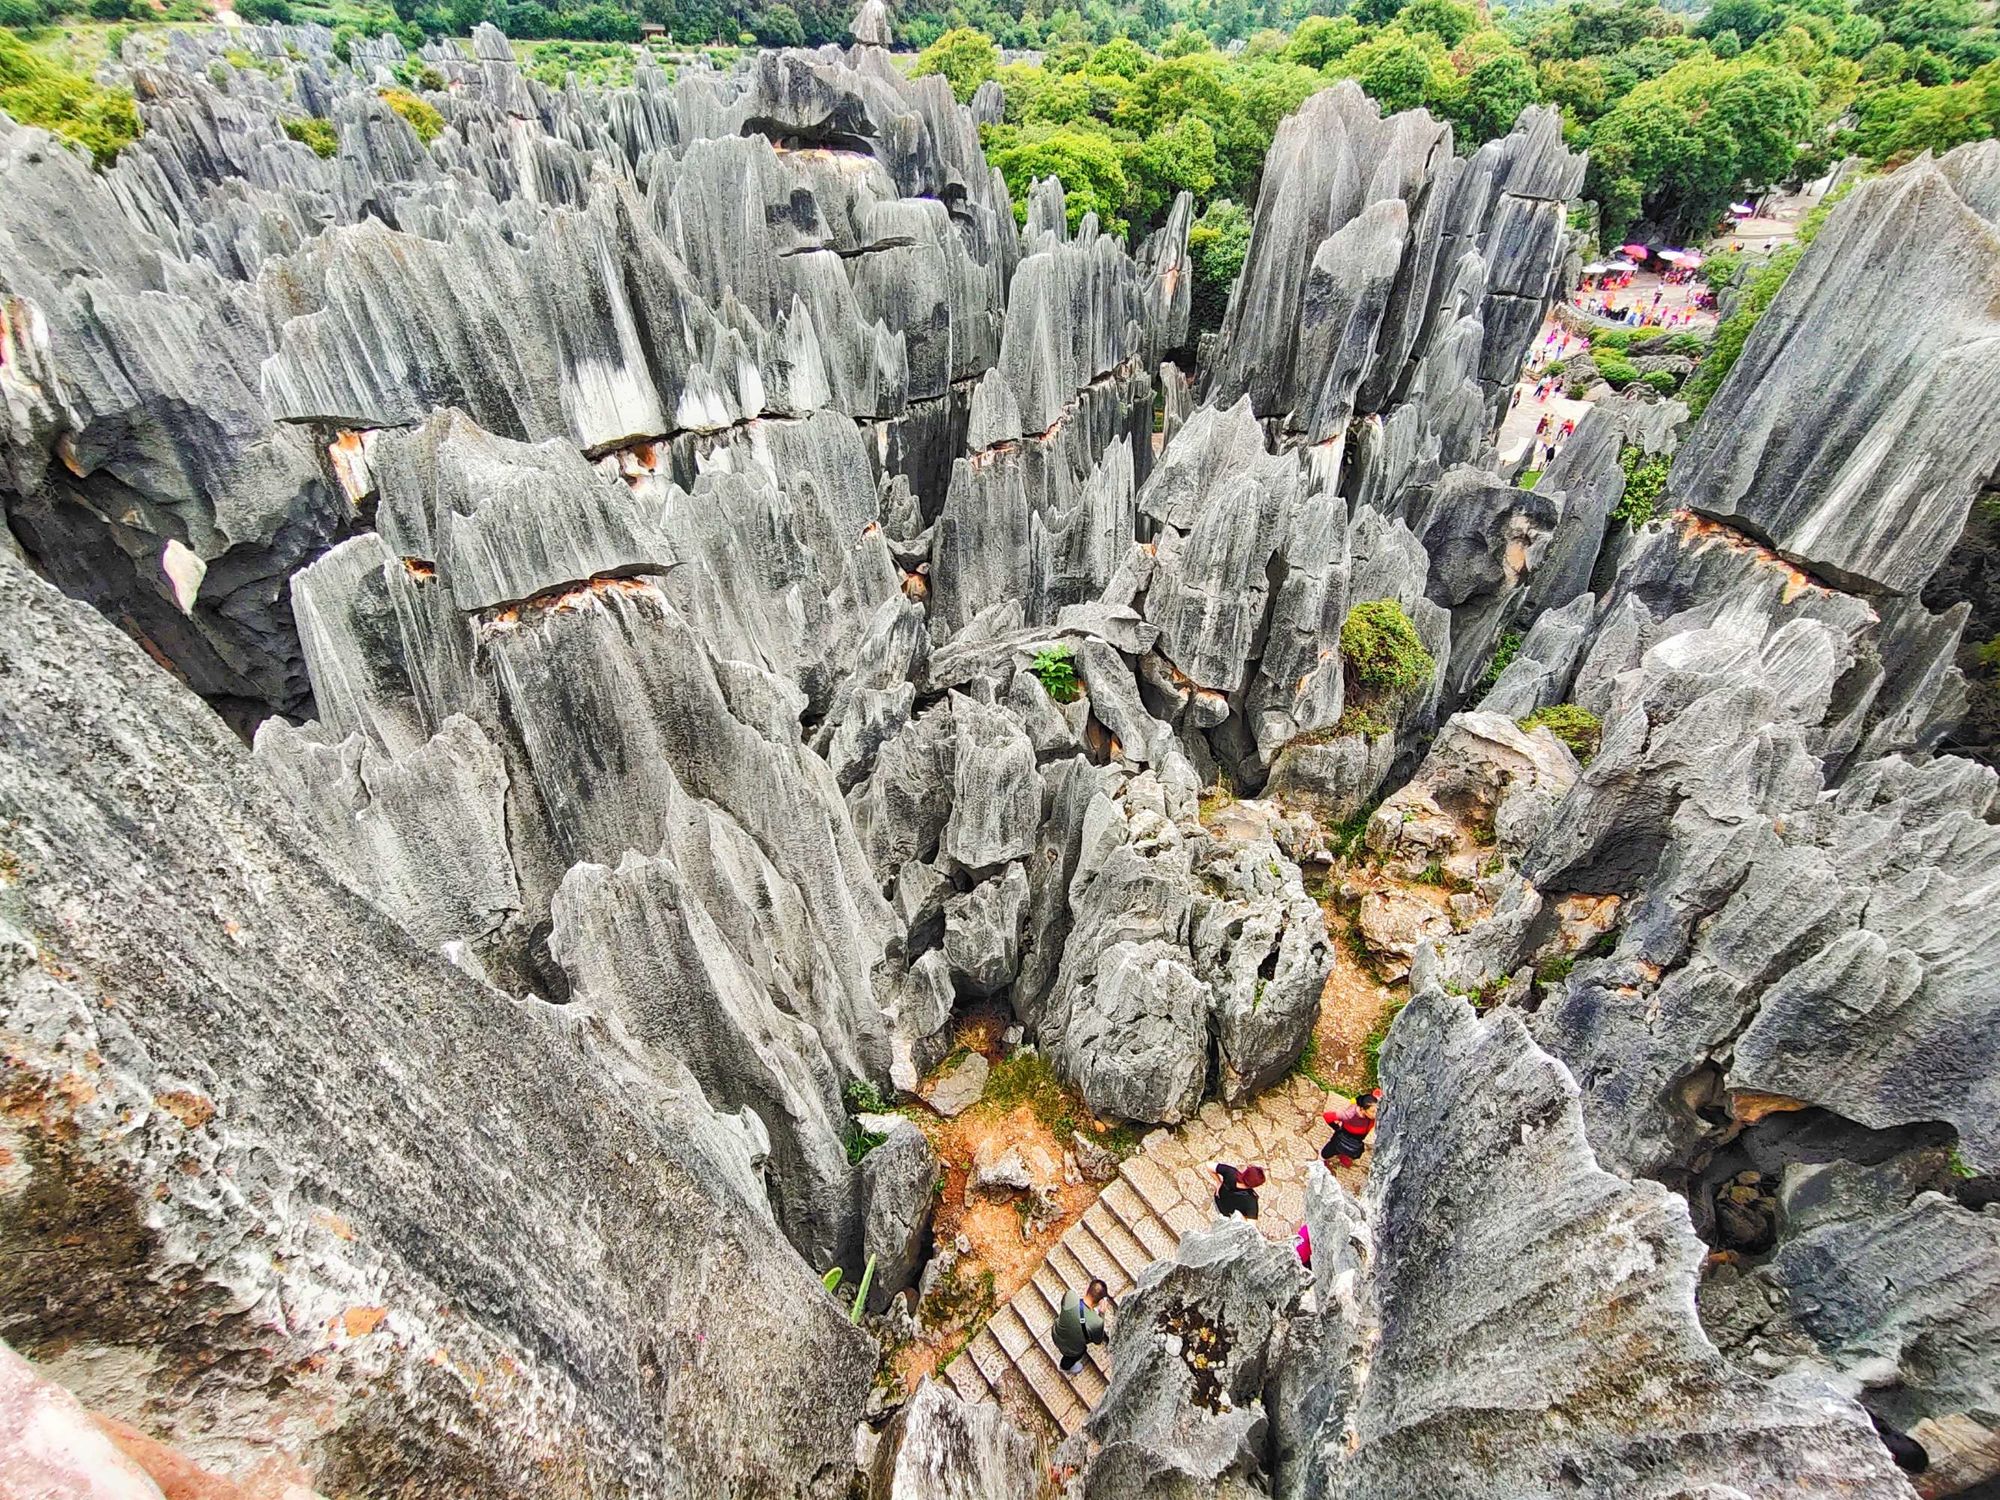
(1499, 1315)
(270, 1157)
(1792, 987)
(697, 561)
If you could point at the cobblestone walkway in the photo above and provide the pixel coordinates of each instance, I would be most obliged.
(1162, 1191)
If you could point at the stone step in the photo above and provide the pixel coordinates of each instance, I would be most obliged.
(1152, 1183)
(1123, 1200)
(1097, 1260)
(1157, 1236)
(1069, 1270)
(1121, 1242)
(988, 1357)
(1012, 1331)
(1045, 1289)
(1037, 1310)
(1139, 1219)
(963, 1376)
(1185, 1218)
(1051, 1387)
(1090, 1383)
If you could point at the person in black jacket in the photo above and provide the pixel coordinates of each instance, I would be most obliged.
(1236, 1190)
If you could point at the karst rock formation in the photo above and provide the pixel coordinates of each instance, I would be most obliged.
(533, 660)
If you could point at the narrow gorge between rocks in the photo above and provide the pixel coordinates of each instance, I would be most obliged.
(659, 776)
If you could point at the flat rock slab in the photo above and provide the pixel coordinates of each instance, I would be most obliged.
(961, 1086)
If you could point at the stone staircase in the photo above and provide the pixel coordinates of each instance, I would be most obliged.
(1161, 1193)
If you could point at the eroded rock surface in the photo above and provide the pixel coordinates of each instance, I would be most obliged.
(1490, 1254)
(267, 1128)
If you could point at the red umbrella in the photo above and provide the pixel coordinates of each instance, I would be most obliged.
(1637, 252)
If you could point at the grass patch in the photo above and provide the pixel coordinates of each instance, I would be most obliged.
(862, 1097)
(1371, 1050)
(955, 1298)
(1307, 1067)
(1555, 970)
(1576, 727)
(1026, 1078)
(1504, 651)
(1384, 655)
(1343, 840)
(1960, 1167)
(859, 1142)
(36, 91)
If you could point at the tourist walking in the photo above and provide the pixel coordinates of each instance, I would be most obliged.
(1079, 1324)
(1236, 1190)
(1351, 1128)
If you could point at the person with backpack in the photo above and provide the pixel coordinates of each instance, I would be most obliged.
(1351, 1129)
(1079, 1324)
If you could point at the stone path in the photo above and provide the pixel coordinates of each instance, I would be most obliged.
(1162, 1192)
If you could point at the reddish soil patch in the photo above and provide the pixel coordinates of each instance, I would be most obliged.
(1002, 1253)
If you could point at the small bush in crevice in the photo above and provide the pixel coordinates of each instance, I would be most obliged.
(314, 132)
(1617, 370)
(1372, 1048)
(1504, 651)
(1385, 656)
(1055, 669)
(1645, 481)
(859, 1142)
(420, 117)
(1576, 727)
(862, 1097)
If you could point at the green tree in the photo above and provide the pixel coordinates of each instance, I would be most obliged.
(1679, 146)
(1087, 162)
(1218, 241)
(1930, 23)
(1447, 20)
(1855, 35)
(1749, 19)
(779, 26)
(1168, 162)
(1494, 94)
(1120, 58)
(1320, 40)
(965, 57)
(1399, 71)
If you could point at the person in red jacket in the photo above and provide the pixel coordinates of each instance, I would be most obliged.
(1351, 1129)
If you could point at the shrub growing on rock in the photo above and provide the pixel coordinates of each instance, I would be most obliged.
(1385, 656)
(1617, 370)
(1666, 382)
(1645, 480)
(37, 92)
(1576, 727)
(316, 133)
(421, 117)
(1056, 670)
